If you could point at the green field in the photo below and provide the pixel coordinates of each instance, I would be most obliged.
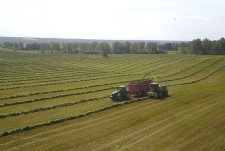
(60, 102)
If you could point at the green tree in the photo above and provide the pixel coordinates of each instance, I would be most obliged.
(55, 46)
(151, 47)
(166, 46)
(45, 46)
(196, 46)
(141, 47)
(83, 47)
(64, 47)
(75, 47)
(104, 48)
(93, 47)
(16, 46)
(133, 47)
(9, 45)
(127, 47)
(33, 46)
(220, 46)
(206, 46)
(69, 47)
(116, 47)
(183, 48)
(121, 47)
(21, 46)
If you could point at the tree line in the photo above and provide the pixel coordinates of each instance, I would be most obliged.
(95, 47)
(203, 47)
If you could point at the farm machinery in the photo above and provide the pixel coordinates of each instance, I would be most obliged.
(141, 88)
(120, 94)
(158, 91)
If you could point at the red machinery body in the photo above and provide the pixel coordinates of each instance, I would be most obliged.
(137, 87)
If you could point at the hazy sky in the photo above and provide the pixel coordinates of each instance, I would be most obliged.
(113, 19)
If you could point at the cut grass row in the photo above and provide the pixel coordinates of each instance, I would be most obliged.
(179, 68)
(58, 96)
(69, 118)
(102, 122)
(54, 77)
(43, 74)
(102, 138)
(129, 67)
(125, 63)
(48, 79)
(57, 91)
(83, 84)
(90, 122)
(128, 62)
(17, 78)
(56, 83)
(38, 74)
(84, 133)
(63, 82)
(162, 64)
(64, 79)
(52, 102)
(53, 114)
(166, 124)
(27, 128)
(201, 79)
(50, 107)
(73, 103)
(194, 73)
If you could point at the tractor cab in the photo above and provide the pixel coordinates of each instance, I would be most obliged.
(122, 88)
(155, 87)
(120, 94)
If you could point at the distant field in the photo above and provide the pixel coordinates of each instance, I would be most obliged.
(60, 102)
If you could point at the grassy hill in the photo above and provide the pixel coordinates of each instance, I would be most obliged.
(60, 102)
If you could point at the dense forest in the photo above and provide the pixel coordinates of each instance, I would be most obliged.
(95, 47)
(196, 46)
(203, 47)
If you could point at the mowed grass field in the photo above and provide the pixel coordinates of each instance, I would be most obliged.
(61, 102)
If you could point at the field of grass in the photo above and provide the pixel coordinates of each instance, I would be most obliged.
(61, 102)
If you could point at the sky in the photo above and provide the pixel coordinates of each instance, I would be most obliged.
(113, 19)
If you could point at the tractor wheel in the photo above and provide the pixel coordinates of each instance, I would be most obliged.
(119, 97)
(160, 95)
(167, 94)
(156, 95)
(142, 93)
(128, 95)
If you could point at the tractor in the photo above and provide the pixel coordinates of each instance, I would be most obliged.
(121, 94)
(141, 88)
(157, 91)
